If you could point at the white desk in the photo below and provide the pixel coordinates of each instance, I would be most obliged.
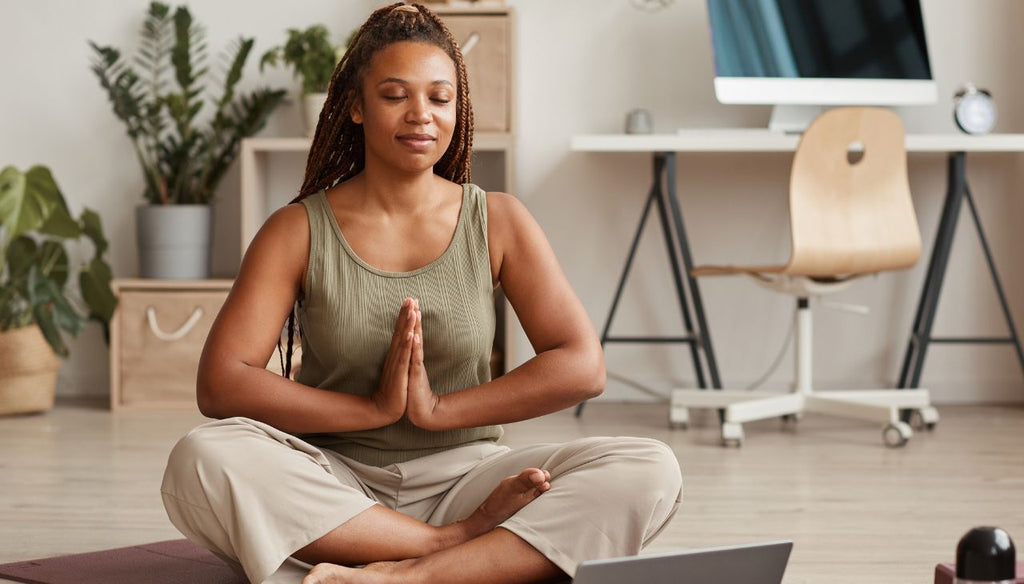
(663, 147)
(753, 140)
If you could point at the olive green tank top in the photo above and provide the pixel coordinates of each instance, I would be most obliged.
(347, 317)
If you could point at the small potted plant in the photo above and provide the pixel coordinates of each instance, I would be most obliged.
(313, 58)
(37, 302)
(183, 154)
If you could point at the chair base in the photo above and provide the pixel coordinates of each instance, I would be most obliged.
(878, 405)
(872, 405)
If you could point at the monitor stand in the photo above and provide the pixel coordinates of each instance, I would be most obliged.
(793, 119)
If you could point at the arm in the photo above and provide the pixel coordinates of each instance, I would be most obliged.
(569, 365)
(232, 378)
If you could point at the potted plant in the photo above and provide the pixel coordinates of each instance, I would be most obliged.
(36, 300)
(313, 59)
(183, 155)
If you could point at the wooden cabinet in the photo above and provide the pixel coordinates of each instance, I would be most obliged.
(156, 338)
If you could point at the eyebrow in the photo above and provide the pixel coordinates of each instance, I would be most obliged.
(401, 81)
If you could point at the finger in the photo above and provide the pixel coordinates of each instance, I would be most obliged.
(401, 323)
(418, 352)
(401, 320)
(419, 319)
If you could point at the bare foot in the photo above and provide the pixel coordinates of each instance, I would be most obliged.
(375, 573)
(511, 495)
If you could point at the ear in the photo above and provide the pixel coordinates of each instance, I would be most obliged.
(356, 113)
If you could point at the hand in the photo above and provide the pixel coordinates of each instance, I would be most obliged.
(422, 401)
(391, 395)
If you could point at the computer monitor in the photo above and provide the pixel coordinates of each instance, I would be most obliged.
(802, 55)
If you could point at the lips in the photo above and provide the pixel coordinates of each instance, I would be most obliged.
(417, 141)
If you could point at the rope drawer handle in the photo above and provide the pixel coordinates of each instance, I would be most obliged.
(174, 336)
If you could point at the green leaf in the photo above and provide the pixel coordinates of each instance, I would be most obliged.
(53, 263)
(92, 226)
(48, 292)
(43, 315)
(22, 254)
(242, 50)
(94, 281)
(181, 53)
(25, 203)
(159, 10)
(14, 309)
(60, 224)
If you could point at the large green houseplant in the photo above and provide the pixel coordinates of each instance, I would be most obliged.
(183, 142)
(313, 58)
(38, 304)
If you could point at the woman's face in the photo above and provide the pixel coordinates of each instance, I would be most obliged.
(408, 106)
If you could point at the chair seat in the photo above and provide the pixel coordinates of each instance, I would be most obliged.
(782, 279)
(713, 270)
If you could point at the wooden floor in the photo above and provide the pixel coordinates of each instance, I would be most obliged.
(81, 479)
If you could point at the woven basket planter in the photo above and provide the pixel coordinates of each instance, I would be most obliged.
(28, 371)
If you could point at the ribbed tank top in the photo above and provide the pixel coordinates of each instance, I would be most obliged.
(347, 317)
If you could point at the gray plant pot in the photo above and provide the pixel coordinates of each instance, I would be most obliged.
(174, 241)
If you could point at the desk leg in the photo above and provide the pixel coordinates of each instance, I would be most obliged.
(605, 332)
(957, 191)
(703, 334)
(664, 165)
(913, 360)
(665, 197)
(1013, 338)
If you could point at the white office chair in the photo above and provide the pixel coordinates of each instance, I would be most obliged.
(850, 214)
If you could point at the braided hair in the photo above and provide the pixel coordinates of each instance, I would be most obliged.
(337, 152)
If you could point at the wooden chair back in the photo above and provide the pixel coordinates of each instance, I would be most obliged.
(850, 206)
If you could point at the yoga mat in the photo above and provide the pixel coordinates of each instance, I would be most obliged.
(176, 561)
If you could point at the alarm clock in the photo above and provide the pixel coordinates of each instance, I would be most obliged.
(974, 110)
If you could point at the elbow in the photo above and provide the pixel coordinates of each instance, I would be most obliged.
(592, 374)
(208, 398)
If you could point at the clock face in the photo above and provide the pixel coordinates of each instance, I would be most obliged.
(975, 113)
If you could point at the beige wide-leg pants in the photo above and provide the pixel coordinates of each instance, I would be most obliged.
(254, 495)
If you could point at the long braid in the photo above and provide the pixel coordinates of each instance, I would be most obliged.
(456, 162)
(338, 151)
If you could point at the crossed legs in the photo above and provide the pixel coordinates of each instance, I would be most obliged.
(449, 553)
(255, 496)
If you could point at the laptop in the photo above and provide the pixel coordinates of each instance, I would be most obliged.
(760, 563)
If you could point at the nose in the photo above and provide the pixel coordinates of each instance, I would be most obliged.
(419, 111)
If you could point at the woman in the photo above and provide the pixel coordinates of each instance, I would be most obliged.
(383, 452)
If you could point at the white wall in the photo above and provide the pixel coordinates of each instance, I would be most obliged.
(582, 65)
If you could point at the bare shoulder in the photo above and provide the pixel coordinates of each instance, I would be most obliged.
(291, 216)
(280, 247)
(287, 226)
(505, 210)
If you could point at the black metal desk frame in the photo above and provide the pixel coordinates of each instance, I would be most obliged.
(663, 195)
(957, 191)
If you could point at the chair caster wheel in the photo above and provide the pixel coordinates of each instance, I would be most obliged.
(679, 418)
(896, 434)
(924, 418)
(732, 434)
